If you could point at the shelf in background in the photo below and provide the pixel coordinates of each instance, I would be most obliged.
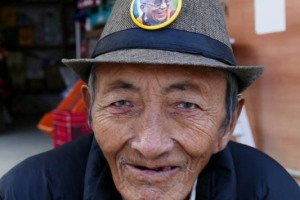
(35, 3)
(42, 47)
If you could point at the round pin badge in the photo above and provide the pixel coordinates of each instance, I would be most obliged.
(154, 14)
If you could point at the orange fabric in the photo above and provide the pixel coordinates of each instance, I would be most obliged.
(72, 102)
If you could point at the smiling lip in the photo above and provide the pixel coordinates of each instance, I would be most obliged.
(152, 172)
(161, 16)
(162, 13)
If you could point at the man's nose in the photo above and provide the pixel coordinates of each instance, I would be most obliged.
(152, 138)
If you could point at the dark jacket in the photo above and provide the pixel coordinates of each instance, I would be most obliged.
(78, 170)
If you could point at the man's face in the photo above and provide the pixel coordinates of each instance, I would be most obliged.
(156, 11)
(158, 126)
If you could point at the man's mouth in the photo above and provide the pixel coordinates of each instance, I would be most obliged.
(151, 173)
(155, 169)
(161, 15)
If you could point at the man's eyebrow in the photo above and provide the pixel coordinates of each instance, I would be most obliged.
(120, 84)
(182, 86)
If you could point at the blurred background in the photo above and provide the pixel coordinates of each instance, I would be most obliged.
(40, 103)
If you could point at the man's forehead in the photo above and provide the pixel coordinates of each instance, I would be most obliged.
(158, 72)
(164, 79)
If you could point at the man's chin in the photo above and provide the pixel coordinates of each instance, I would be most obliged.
(169, 183)
(151, 192)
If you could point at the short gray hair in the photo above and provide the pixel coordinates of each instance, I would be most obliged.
(92, 89)
(231, 95)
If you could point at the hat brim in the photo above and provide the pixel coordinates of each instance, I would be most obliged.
(246, 74)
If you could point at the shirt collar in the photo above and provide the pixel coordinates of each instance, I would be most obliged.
(193, 194)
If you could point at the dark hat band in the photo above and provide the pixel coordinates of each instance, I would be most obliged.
(168, 40)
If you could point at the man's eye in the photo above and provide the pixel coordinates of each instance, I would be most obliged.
(122, 103)
(187, 105)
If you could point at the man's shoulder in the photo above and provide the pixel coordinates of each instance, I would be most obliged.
(252, 158)
(43, 173)
(255, 169)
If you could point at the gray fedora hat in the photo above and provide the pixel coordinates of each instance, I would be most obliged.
(197, 37)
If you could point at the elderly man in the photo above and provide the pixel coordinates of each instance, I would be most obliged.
(163, 105)
(155, 12)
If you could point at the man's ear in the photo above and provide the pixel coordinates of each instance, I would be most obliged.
(224, 139)
(142, 7)
(85, 92)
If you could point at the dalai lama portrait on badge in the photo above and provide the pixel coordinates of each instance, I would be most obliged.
(155, 12)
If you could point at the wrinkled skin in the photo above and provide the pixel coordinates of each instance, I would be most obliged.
(158, 126)
(156, 11)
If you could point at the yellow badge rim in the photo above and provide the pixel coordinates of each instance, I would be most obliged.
(156, 27)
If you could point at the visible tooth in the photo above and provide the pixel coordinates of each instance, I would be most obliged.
(167, 168)
(157, 169)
